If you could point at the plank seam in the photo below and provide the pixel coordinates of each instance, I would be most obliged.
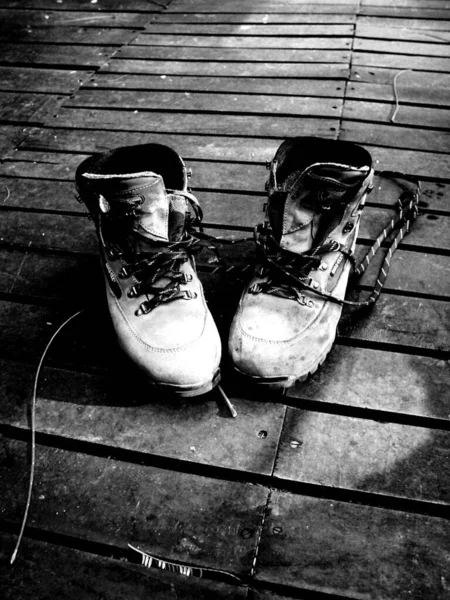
(350, 65)
(401, 504)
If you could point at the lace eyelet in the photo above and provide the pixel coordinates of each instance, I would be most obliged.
(310, 304)
(143, 309)
(188, 295)
(348, 227)
(323, 266)
(254, 289)
(132, 292)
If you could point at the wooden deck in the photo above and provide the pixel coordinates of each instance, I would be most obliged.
(342, 488)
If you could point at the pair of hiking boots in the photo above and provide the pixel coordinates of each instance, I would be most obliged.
(147, 223)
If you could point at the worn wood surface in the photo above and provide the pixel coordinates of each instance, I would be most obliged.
(117, 502)
(339, 489)
(354, 549)
(83, 574)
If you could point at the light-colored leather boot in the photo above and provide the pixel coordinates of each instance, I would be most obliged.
(145, 219)
(287, 317)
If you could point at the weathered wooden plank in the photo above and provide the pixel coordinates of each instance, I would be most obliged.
(174, 515)
(418, 116)
(195, 146)
(240, 28)
(76, 347)
(406, 321)
(412, 385)
(162, 122)
(430, 233)
(400, 61)
(38, 194)
(435, 94)
(405, 12)
(400, 47)
(413, 34)
(120, 6)
(34, 80)
(87, 18)
(206, 102)
(361, 454)
(48, 231)
(249, 85)
(46, 277)
(429, 26)
(94, 408)
(442, 4)
(243, 41)
(66, 35)
(272, 55)
(309, 5)
(88, 576)
(397, 137)
(410, 162)
(248, 6)
(10, 138)
(24, 106)
(412, 272)
(53, 54)
(409, 79)
(225, 69)
(354, 551)
(255, 18)
(435, 195)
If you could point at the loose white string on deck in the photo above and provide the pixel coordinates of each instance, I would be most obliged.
(227, 402)
(397, 104)
(33, 435)
(33, 431)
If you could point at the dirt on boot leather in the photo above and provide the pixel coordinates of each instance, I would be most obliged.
(287, 317)
(145, 219)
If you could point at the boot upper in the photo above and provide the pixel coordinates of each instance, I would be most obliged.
(144, 220)
(316, 191)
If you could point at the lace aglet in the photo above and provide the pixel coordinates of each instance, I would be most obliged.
(227, 402)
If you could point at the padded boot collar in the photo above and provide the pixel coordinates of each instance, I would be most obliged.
(302, 191)
(144, 192)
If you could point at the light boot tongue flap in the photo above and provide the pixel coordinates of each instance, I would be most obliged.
(146, 191)
(319, 184)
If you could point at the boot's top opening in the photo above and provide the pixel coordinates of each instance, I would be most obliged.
(142, 158)
(297, 154)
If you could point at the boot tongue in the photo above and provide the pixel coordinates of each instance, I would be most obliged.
(311, 192)
(158, 216)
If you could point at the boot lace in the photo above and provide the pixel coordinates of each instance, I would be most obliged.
(155, 266)
(287, 274)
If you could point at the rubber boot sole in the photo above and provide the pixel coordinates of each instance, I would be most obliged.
(187, 391)
(284, 382)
